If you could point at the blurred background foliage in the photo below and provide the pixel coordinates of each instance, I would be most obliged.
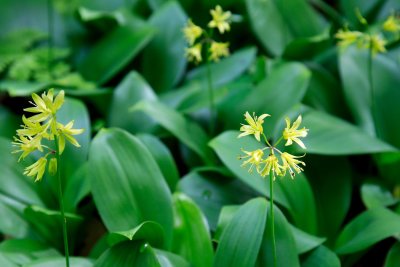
(151, 186)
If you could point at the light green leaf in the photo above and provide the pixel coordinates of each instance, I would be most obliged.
(375, 195)
(321, 256)
(393, 257)
(60, 262)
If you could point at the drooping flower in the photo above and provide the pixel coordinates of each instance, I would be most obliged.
(292, 134)
(254, 158)
(218, 50)
(194, 53)
(26, 145)
(37, 169)
(392, 24)
(271, 164)
(254, 125)
(376, 44)
(220, 19)
(66, 132)
(291, 162)
(45, 106)
(347, 38)
(192, 32)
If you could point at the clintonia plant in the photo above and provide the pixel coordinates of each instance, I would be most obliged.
(37, 134)
(271, 161)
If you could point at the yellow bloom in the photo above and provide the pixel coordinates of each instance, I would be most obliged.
(218, 50)
(66, 132)
(291, 163)
(36, 169)
(254, 158)
(347, 37)
(391, 24)
(192, 32)
(254, 127)
(271, 163)
(45, 106)
(31, 128)
(26, 145)
(194, 53)
(292, 133)
(220, 19)
(376, 44)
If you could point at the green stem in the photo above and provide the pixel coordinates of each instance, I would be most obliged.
(266, 140)
(211, 99)
(50, 29)
(271, 209)
(371, 89)
(61, 200)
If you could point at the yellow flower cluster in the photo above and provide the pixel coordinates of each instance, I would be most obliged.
(277, 162)
(192, 33)
(374, 42)
(43, 126)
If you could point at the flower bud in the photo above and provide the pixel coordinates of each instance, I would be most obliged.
(53, 166)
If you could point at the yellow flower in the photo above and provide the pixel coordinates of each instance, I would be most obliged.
(220, 19)
(36, 169)
(66, 132)
(391, 24)
(376, 44)
(192, 32)
(31, 128)
(291, 163)
(347, 37)
(194, 53)
(45, 106)
(254, 158)
(218, 50)
(292, 133)
(271, 163)
(254, 127)
(27, 145)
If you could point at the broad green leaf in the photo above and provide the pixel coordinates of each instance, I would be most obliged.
(329, 135)
(24, 251)
(60, 262)
(127, 186)
(127, 254)
(101, 20)
(4, 261)
(331, 181)
(393, 257)
(23, 88)
(167, 48)
(226, 69)
(367, 229)
(168, 259)
(188, 132)
(131, 90)
(9, 123)
(48, 225)
(239, 244)
(307, 47)
(149, 231)
(163, 157)
(286, 252)
(211, 192)
(13, 223)
(78, 187)
(321, 256)
(114, 52)
(191, 237)
(375, 195)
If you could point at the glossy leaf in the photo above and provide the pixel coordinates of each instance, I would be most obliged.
(239, 244)
(375, 195)
(321, 256)
(23, 88)
(130, 91)
(191, 237)
(393, 257)
(114, 52)
(9, 123)
(167, 48)
(60, 262)
(119, 162)
(367, 229)
(168, 259)
(179, 126)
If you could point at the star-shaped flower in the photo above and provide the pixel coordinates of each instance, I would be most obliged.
(220, 19)
(254, 125)
(292, 134)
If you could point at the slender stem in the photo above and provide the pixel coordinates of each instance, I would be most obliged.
(211, 98)
(61, 200)
(50, 29)
(371, 88)
(271, 209)
(266, 140)
(279, 140)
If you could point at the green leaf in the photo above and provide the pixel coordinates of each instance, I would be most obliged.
(211, 192)
(167, 259)
(329, 135)
(78, 188)
(286, 252)
(149, 231)
(23, 88)
(179, 126)
(239, 244)
(191, 233)
(60, 262)
(226, 69)
(114, 52)
(321, 256)
(367, 229)
(130, 91)
(375, 195)
(167, 48)
(393, 257)
(127, 186)
(163, 157)
(127, 254)
(9, 123)
(24, 251)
